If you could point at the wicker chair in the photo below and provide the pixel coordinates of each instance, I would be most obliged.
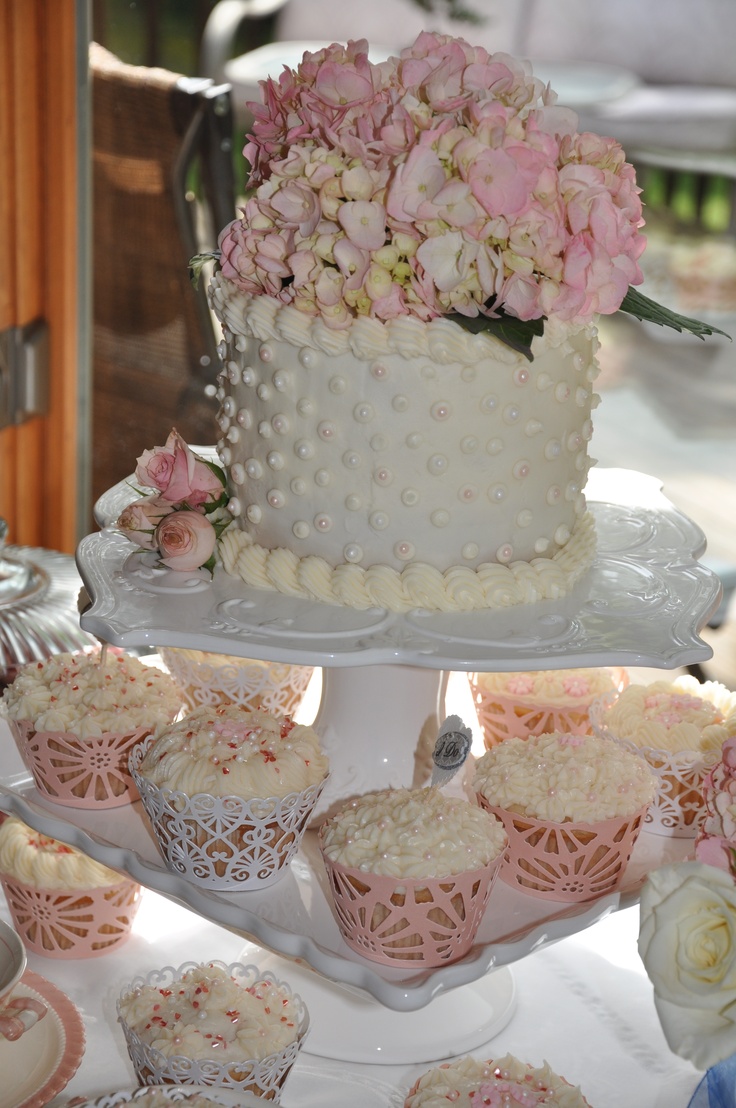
(162, 188)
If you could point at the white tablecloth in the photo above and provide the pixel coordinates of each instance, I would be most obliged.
(585, 1005)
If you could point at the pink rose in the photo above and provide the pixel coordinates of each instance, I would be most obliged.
(178, 474)
(712, 850)
(186, 540)
(140, 519)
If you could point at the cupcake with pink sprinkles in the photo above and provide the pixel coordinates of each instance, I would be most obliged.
(497, 1083)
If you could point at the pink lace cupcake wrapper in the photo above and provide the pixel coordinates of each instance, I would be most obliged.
(505, 717)
(76, 772)
(72, 923)
(566, 861)
(410, 922)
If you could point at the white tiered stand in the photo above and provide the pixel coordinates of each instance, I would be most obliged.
(384, 676)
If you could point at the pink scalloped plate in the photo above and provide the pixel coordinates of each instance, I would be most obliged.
(43, 1061)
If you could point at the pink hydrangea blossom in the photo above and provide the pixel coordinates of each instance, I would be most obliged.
(458, 159)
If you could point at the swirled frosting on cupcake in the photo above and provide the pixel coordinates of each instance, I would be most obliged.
(565, 777)
(230, 751)
(92, 694)
(674, 715)
(563, 687)
(412, 833)
(206, 1013)
(504, 1082)
(42, 862)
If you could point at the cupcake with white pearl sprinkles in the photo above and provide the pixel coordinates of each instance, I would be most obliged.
(680, 727)
(470, 1083)
(573, 807)
(411, 872)
(229, 793)
(76, 717)
(226, 1026)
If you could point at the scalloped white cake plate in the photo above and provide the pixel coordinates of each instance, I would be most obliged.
(646, 566)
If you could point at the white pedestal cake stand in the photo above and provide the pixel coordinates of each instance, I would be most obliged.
(642, 604)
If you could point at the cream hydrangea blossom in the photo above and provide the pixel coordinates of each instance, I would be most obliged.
(687, 941)
(445, 180)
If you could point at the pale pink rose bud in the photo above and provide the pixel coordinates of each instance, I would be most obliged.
(139, 520)
(186, 540)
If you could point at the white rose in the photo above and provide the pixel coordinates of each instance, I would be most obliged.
(687, 941)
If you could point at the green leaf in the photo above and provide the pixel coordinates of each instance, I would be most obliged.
(639, 305)
(197, 264)
(516, 333)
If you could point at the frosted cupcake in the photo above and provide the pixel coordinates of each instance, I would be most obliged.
(411, 871)
(212, 679)
(503, 1081)
(514, 705)
(680, 727)
(63, 904)
(572, 806)
(76, 717)
(228, 1026)
(229, 793)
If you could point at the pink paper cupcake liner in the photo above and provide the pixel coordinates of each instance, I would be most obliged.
(72, 923)
(79, 773)
(263, 1077)
(566, 861)
(410, 922)
(225, 843)
(505, 717)
(219, 679)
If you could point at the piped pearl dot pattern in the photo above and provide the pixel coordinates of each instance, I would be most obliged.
(395, 453)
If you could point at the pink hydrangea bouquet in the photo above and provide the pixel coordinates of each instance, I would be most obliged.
(443, 182)
(184, 517)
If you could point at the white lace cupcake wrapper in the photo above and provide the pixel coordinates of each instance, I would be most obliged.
(678, 809)
(225, 843)
(262, 1076)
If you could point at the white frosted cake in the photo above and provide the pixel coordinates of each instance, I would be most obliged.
(402, 464)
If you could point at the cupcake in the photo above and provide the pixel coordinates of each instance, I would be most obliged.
(213, 679)
(76, 717)
(501, 1081)
(680, 727)
(229, 793)
(572, 806)
(231, 1027)
(514, 705)
(63, 904)
(410, 872)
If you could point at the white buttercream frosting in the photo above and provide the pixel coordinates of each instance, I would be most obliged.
(556, 688)
(561, 777)
(402, 464)
(206, 1013)
(92, 694)
(504, 1082)
(674, 716)
(412, 833)
(37, 860)
(230, 751)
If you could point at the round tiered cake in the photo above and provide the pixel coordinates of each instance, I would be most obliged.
(402, 464)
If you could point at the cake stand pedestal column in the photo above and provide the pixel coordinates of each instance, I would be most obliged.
(378, 726)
